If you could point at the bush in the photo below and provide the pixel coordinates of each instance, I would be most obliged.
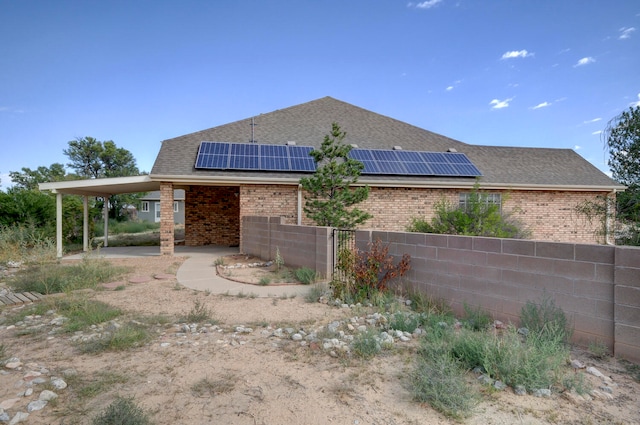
(366, 344)
(478, 218)
(198, 314)
(405, 322)
(122, 338)
(476, 318)
(367, 274)
(26, 243)
(123, 411)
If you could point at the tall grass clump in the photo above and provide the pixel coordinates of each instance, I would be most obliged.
(546, 319)
(440, 380)
(82, 313)
(306, 275)
(26, 244)
(56, 278)
(123, 338)
(122, 411)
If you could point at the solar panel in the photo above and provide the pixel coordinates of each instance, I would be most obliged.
(300, 159)
(285, 158)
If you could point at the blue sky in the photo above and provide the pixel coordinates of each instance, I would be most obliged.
(546, 73)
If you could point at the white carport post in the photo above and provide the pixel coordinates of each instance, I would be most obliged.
(105, 214)
(59, 224)
(85, 223)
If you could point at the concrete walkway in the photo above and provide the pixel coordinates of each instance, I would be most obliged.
(198, 271)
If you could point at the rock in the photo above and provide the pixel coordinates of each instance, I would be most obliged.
(606, 389)
(13, 364)
(573, 397)
(165, 344)
(542, 392)
(485, 379)
(499, 325)
(58, 383)
(523, 331)
(47, 395)
(19, 417)
(296, 337)
(4, 416)
(28, 392)
(577, 364)
(520, 390)
(499, 385)
(8, 404)
(36, 405)
(595, 372)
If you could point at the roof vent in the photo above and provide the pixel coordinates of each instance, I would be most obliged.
(353, 145)
(397, 148)
(291, 143)
(451, 150)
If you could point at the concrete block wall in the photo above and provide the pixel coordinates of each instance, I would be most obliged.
(166, 219)
(299, 246)
(627, 306)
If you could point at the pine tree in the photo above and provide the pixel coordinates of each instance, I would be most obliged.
(330, 196)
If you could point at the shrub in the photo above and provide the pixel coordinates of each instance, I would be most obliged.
(82, 313)
(405, 322)
(198, 313)
(316, 291)
(476, 318)
(123, 338)
(367, 273)
(123, 411)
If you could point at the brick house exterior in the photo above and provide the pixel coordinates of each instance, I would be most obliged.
(540, 186)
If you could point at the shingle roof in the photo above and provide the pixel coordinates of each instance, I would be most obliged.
(308, 123)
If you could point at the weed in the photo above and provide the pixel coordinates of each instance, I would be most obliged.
(99, 384)
(264, 281)
(241, 294)
(120, 288)
(405, 322)
(476, 318)
(56, 278)
(279, 261)
(439, 380)
(423, 303)
(123, 338)
(366, 344)
(208, 387)
(219, 261)
(198, 313)
(82, 313)
(576, 382)
(546, 319)
(306, 275)
(598, 350)
(316, 291)
(3, 353)
(122, 411)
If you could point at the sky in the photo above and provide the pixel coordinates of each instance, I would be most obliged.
(544, 73)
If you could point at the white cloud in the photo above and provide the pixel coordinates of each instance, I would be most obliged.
(541, 105)
(592, 121)
(635, 104)
(626, 33)
(499, 104)
(516, 54)
(449, 88)
(577, 147)
(584, 61)
(428, 4)
(596, 133)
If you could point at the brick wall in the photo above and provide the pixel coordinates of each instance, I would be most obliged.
(212, 216)
(166, 218)
(597, 286)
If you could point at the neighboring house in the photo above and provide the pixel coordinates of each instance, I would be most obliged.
(541, 186)
(150, 207)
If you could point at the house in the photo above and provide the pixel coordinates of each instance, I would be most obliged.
(150, 207)
(542, 186)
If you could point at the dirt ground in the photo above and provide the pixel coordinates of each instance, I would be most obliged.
(238, 376)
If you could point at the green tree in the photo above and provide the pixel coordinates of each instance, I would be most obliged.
(29, 179)
(93, 159)
(331, 196)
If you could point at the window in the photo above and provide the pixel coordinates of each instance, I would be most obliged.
(176, 207)
(487, 198)
(157, 211)
(145, 206)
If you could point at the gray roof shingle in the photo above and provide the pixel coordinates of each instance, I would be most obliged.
(308, 123)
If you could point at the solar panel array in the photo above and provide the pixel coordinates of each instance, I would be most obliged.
(259, 157)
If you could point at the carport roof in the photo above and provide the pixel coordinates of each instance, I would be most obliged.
(103, 187)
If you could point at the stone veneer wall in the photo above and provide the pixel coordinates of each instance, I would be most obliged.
(212, 215)
(166, 219)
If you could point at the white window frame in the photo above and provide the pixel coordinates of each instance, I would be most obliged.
(144, 207)
(157, 211)
(176, 207)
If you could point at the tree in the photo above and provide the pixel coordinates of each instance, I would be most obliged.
(93, 159)
(622, 141)
(29, 179)
(331, 197)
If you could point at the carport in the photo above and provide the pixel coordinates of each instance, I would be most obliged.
(104, 188)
